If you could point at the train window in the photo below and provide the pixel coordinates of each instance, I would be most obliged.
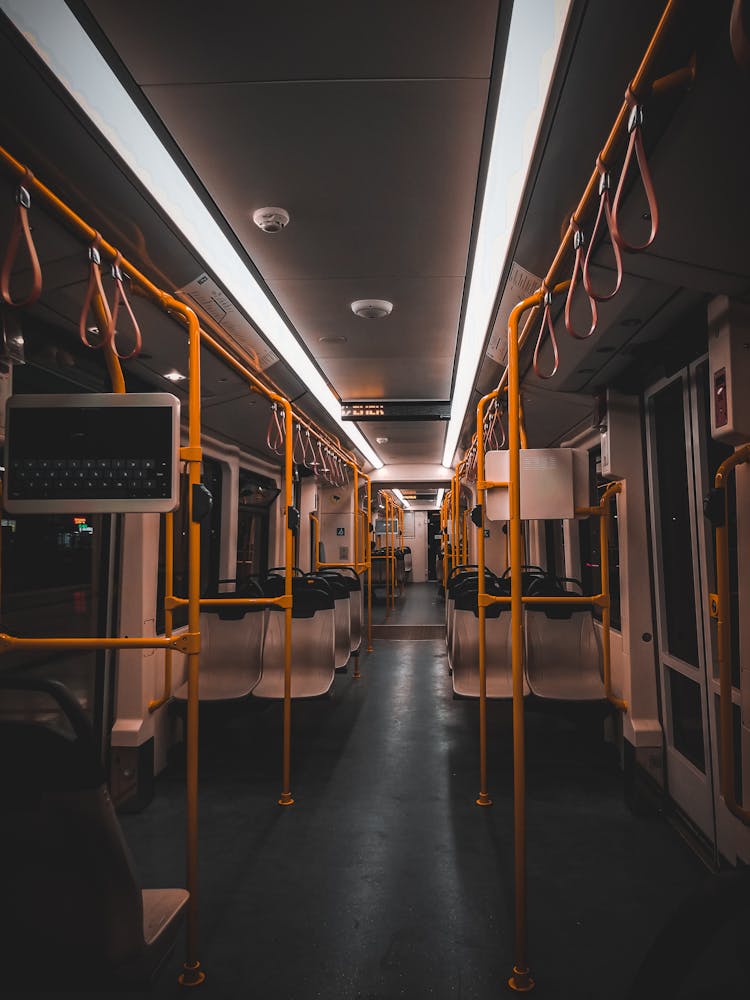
(256, 495)
(687, 721)
(673, 525)
(589, 544)
(211, 477)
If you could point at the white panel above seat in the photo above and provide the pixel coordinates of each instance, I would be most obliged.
(554, 481)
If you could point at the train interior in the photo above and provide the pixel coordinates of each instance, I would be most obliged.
(376, 498)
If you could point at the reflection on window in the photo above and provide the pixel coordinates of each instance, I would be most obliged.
(687, 721)
(210, 546)
(257, 493)
(590, 544)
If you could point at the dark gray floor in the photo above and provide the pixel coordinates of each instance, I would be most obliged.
(418, 605)
(385, 880)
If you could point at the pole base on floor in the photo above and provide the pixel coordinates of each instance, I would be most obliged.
(356, 675)
(191, 974)
(484, 799)
(286, 799)
(521, 981)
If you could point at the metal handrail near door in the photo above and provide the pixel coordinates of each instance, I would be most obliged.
(721, 610)
(521, 979)
(188, 642)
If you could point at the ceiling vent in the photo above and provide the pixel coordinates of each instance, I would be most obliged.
(372, 308)
(271, 220)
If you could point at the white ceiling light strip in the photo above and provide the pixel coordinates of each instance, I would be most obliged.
(536, 30)
(400, 496)
(52, 30)
(439, 498)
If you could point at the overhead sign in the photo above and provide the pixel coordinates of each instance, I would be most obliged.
(396, 409)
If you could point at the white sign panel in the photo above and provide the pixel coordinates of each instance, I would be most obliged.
(206, 293)
(520, 284)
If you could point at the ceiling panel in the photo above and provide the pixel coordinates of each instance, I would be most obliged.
(371, 378)
(408, 441)
(379, 177)
(424, 318)
(330, 39)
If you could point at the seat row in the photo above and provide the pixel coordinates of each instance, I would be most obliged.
(562, 648)
(242, 647)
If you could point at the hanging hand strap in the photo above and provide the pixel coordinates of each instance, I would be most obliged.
(312, 464)
(119, 299)
(605, 212)
(95, 288)
(298, 441)
(635, 143)
(578, 243)
(21, 228)
(274, 434)
(547, 328)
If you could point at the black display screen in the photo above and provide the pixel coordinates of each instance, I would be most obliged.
(89, 452)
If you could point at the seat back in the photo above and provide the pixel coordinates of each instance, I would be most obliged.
(563, 655)
(70, 892)
(313, 640)
(348, 580)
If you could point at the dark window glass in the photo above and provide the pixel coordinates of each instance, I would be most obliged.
(687, 724)
(253, 524)
(676, 546)
(589, 540)
(210, 546)
(736, 745)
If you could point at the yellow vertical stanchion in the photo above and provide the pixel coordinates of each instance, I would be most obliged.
(168, 613)
(368, 549)
(604, 602)
(521, 979)
(286, 799)
(484, 798)
(192, 975)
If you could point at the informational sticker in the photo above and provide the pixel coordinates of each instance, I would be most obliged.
(206, 293)
(340, 532)
(520, 284)
(486, 532)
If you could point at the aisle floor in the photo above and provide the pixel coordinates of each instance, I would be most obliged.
(385, 880)
(418, 605)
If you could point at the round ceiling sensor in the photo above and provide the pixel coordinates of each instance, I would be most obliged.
(271, 220)
(382, 440)
(372, 308)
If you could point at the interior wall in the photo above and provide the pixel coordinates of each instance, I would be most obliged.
(418, 545)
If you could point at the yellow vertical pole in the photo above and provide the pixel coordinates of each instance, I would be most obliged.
(355, 509)
(484, 797)
(286, 799)
(368, 550)
(521, 979)
(192, 974)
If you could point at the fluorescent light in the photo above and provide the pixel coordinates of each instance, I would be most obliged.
(440, 495)
(536, 29)
(52, 30)
(400, 496)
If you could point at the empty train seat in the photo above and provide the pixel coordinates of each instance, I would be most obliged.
(458, 577)
(563, 651)
(75, 915)
(465, 643)
(342, 606)
(313, 639)
(231, 648)
(353, 583)
(408, 564)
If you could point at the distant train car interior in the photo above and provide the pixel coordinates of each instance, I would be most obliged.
(375, 499)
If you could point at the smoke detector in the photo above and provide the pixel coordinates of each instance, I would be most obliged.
(382, 440)
(372, 308)
(271, 220)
